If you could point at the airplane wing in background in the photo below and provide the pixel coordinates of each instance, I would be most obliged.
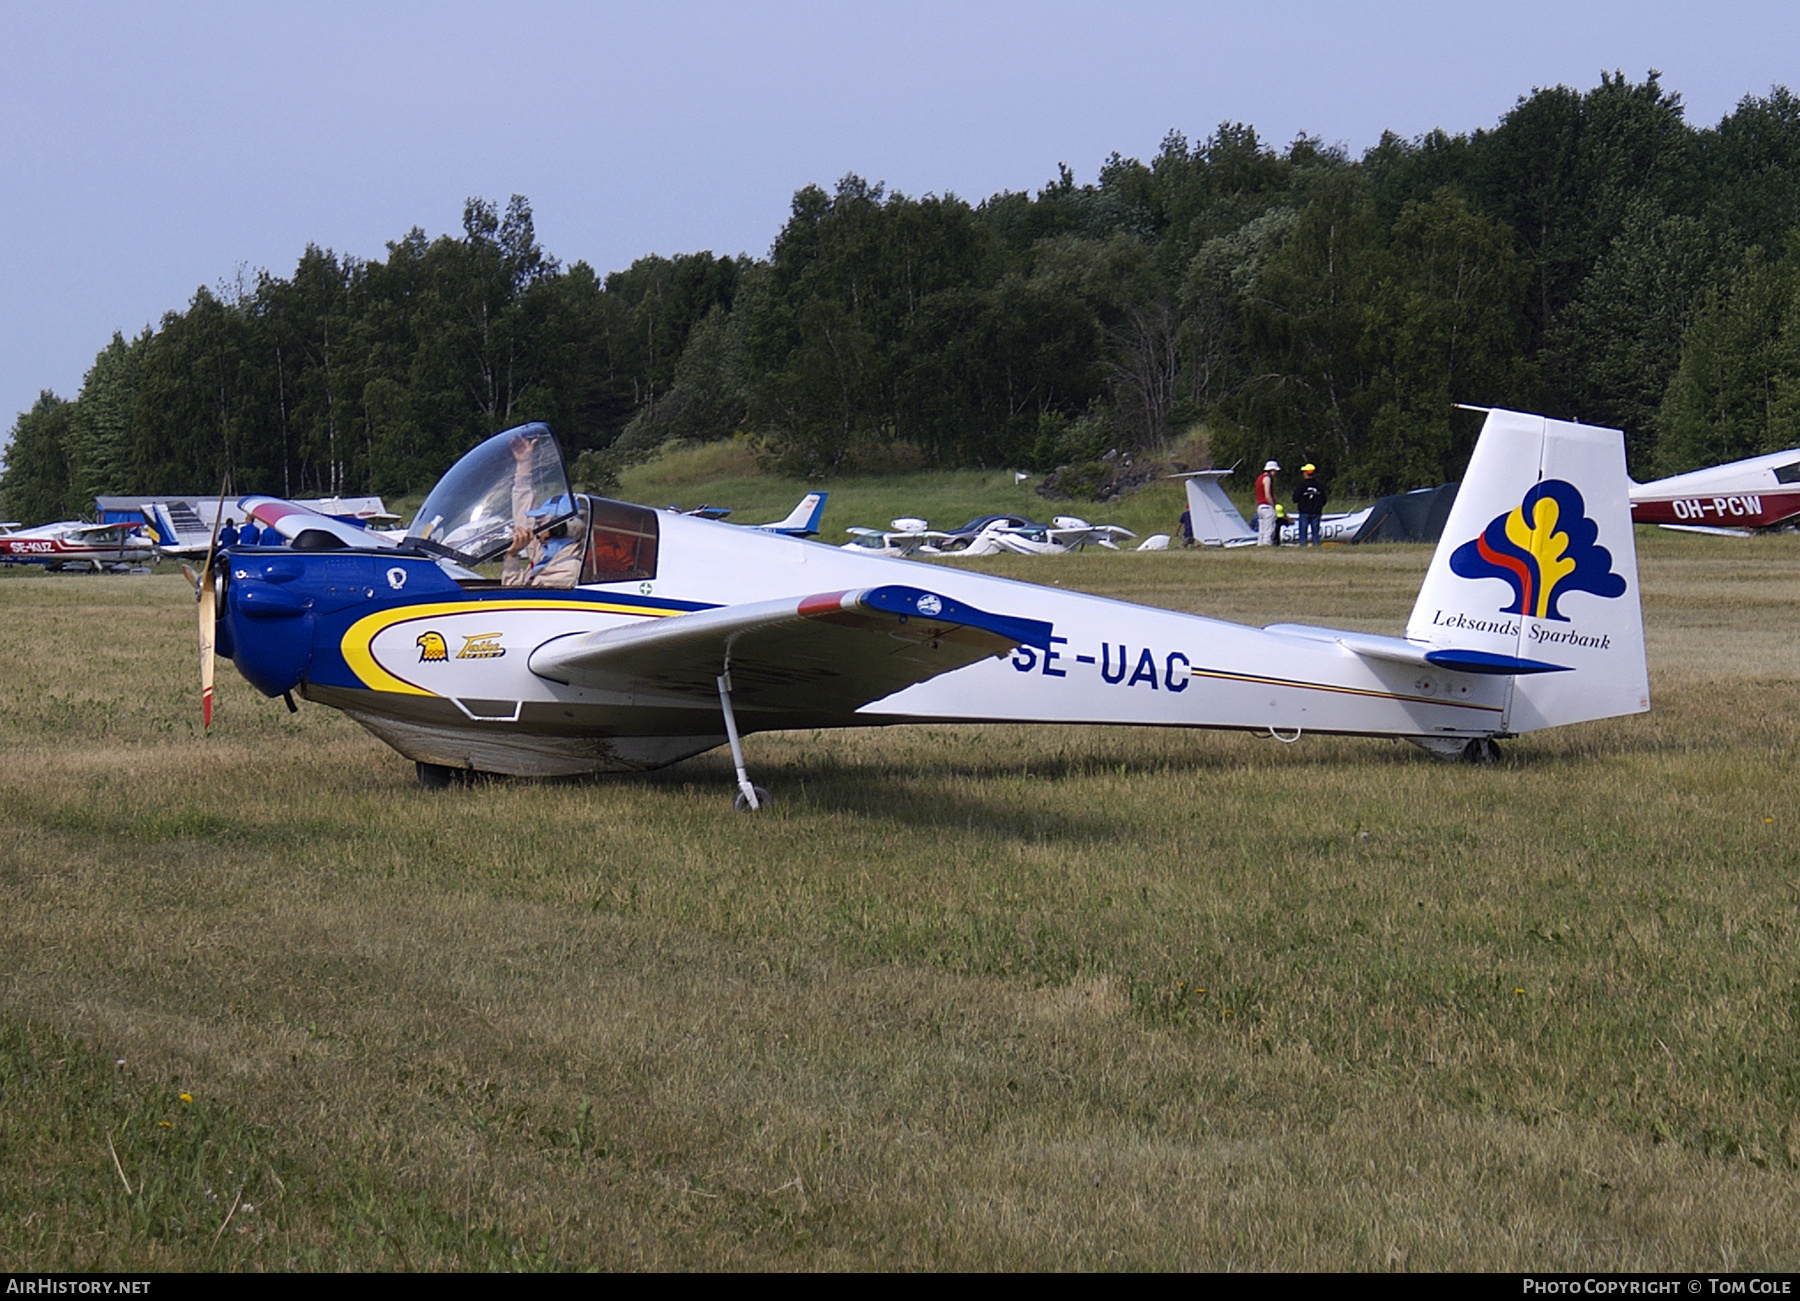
(1103, 535)
(833, 652)
(293, 521)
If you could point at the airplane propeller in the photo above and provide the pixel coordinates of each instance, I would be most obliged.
(206, 597)
(208, 629)
(206, 594)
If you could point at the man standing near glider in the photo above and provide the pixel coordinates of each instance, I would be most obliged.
(1309, 500)
(1265, 505)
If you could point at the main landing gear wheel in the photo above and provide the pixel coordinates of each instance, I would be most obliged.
(436, 776)
(1483, 750)
(742, 803)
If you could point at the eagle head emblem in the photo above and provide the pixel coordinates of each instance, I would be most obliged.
(432, 648)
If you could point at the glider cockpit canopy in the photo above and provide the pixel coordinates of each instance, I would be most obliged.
(469, 516)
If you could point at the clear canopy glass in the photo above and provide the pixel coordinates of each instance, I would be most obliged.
(514, 479)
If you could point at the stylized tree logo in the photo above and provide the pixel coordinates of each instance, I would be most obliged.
(1545, 548)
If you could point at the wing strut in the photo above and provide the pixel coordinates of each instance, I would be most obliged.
(749, 796)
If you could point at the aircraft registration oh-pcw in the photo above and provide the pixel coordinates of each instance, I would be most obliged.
(1761, 492)
(684, 634)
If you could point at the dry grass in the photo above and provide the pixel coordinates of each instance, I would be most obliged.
(968, 997)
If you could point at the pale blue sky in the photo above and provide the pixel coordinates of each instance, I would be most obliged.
(149, 149)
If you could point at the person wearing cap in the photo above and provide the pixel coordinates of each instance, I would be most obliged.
(544, 557)
(1309, 501)
(542, 554)
(1265, 505)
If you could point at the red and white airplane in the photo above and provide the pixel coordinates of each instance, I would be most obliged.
(73, 544)
(1761, 492)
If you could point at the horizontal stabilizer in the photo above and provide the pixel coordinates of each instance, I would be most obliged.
(1400, 650)
(1474, 661)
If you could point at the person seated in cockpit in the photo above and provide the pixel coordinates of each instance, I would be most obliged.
(549, 557)
(541, 555)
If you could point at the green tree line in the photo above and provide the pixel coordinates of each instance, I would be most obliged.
(1591, 256)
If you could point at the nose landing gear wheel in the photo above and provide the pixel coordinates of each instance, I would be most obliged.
(742, 804)
(1483, 750)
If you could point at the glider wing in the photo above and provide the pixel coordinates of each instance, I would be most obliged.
(833, 652)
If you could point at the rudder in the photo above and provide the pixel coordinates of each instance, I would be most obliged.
(1537, 570)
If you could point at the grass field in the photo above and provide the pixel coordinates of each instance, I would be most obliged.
(966, 997)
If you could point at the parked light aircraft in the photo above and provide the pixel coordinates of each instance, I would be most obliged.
(904, 537)
(684, 634)
(185, 528)
(990, 535)
(1217, 521)
(74, 544)
(910, 536)
(801, 522)
(1758, 493)
(1063, 534)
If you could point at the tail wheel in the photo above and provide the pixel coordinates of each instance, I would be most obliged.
(1484, 750)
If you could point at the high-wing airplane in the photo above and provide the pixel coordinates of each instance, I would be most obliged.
(74, 544)
(1063, 534)
(990, 535)
(909, 536)
(903, 537)
(1758, 493)
(684, 634)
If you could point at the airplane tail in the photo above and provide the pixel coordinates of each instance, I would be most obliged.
(803, 520)
(1536, 574)
(1216, 521)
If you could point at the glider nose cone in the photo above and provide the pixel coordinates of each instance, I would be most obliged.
(268, 630)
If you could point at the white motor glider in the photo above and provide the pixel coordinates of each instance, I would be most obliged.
(683, 634)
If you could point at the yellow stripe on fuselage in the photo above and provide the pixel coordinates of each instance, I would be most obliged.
(358, 639)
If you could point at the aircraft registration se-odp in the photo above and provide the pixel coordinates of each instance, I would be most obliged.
(682, 634)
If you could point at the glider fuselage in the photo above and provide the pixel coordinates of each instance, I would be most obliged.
(1528, 617)
(436, 667)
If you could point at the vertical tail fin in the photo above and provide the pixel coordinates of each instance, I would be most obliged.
(803, 520)
(1536, 573)
(1216, 521)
